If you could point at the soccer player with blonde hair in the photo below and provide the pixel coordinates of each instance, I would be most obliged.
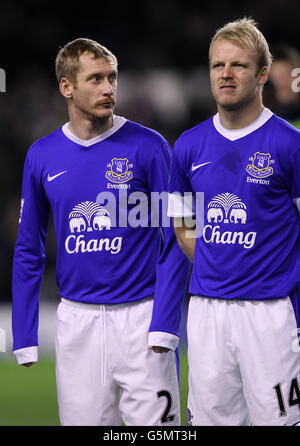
(244, 313)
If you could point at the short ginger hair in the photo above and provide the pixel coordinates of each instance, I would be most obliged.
(66, 63)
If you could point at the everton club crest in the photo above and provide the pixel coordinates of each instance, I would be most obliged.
(260, 167)
(119, 171)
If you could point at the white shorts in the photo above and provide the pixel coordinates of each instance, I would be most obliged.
(244, 363)
(105, 372)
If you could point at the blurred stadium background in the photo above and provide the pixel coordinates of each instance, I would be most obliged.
(162, 48)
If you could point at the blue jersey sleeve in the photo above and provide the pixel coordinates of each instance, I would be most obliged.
(295, 176)
(179, 178)
(173, 267)
(181, 196)
(29, 260)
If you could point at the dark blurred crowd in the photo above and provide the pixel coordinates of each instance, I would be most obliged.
(162, 48)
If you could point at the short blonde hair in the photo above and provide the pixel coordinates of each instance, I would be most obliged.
(66, 63)
(244, 33)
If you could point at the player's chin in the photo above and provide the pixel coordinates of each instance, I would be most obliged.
(229, 105)
(104, 113)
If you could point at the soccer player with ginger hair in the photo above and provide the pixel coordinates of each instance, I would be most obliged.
(116, 339)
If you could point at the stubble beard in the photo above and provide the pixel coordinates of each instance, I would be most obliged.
(237, 105)
(92, 116)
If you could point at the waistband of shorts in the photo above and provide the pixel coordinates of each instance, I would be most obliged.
(232, 300)
(89, 306)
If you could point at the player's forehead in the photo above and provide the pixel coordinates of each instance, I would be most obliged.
(87, 62)
(227, 50)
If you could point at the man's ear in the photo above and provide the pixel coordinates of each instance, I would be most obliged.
(263, 75)
(66, 88)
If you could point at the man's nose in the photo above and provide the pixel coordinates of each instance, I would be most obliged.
(108, 88)
(227, 72)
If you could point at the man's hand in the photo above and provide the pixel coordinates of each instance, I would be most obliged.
(157, 349)
(28, 364)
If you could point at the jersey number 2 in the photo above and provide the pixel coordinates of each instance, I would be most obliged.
(166, 417)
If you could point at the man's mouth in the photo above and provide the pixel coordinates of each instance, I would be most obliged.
(106, 104)
(227, 87)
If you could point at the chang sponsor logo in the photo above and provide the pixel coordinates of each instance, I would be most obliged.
(89, 217)
(75, 244)
(226, 209)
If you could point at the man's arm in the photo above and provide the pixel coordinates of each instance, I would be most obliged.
(172, 270)
(28, 265)
(178, 269)
(172, 274)
(186, 236)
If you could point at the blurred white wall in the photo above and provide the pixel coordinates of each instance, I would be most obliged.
(46, 330)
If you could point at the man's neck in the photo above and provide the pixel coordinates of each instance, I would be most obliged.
(236, 119)
(86, 130)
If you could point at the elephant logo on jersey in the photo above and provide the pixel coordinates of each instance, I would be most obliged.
(260, 167)
(226, 208)
(119, 172)
(88, 216)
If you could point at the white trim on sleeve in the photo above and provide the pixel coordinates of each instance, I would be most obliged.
(180, 205)
(27, 354)
(162, 339)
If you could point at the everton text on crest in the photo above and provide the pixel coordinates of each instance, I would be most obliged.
(119, 173)
(260, 168)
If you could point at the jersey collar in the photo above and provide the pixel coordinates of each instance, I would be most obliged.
(265, 115)
(118, 122)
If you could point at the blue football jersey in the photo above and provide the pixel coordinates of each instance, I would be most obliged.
(101, 258)
(245, 186)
